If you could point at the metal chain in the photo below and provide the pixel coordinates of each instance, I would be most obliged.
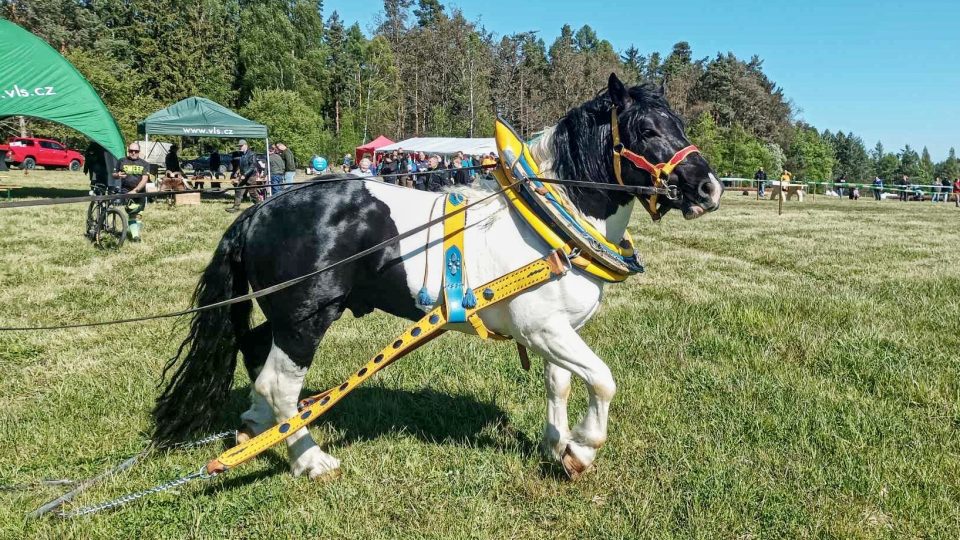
(130, 497)
(206, 440)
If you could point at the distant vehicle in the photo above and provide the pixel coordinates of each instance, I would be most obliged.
(30, 152)
(202, 163)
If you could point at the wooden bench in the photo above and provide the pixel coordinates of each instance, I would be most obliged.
(8, 187)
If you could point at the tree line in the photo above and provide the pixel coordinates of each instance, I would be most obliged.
(324, 86)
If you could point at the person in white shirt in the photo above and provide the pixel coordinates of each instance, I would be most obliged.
(363, 168)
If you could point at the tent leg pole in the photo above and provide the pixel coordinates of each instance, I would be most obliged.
(270, 191)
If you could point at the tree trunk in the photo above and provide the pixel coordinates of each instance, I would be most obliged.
(416, 103)
(336, 107)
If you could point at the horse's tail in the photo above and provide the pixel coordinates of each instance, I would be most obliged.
(202, 379)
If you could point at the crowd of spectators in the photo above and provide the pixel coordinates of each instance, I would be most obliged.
(417, 170)
(903, 189)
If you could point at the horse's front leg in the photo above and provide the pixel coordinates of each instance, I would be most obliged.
(556, 433)
(559, 344)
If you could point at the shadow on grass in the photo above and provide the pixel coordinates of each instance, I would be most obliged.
(370, 413)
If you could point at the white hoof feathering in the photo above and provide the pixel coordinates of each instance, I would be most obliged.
(316, 464)
(554, 443)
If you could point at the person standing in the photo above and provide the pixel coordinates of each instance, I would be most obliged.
(133, 173)
(364, 168)
(840, 185)
(388, 169)
(172, 163)
(423, 165)
(956, 192)
(408, 181)
(878, 188)
(761, 177)
(214, 166)
(276, 170)
(246, 173)
(461, 175)
(904, 188)
(289, 165)
(437, 175)
(937, 188)
(785, 178)
(488, 162)
(98, 164)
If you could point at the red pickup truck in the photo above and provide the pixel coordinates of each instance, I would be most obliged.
(29, 152)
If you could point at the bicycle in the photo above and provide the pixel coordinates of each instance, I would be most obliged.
(106, 219)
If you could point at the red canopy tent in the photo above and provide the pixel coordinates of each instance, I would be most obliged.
(371, 146)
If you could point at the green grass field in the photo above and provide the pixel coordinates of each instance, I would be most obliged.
(778, 377)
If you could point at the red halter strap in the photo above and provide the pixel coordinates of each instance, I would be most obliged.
(658, 172)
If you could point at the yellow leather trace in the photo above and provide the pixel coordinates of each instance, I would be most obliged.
(427, 328)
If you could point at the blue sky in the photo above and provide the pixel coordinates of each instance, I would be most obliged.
(886, 70)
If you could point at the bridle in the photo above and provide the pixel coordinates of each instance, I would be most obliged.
(658, 173)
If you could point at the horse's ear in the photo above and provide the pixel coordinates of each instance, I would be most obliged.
(618, 92)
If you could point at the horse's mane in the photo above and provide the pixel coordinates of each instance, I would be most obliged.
(581, 146)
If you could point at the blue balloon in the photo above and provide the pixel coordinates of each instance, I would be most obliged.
(319, 164)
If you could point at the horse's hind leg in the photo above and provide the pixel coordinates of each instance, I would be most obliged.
(256, 346)
(281, 379)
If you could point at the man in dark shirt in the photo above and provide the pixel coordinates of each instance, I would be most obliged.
(215, 164)
(289, 164)
(99, 165)
(133, 173)
(172, 162)
(247, 173)
(388, 168)
(438, 177)
(761, 178)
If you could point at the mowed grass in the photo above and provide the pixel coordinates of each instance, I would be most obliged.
(778, 377)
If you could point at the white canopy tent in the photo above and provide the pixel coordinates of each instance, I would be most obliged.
(154, 152)
(443, 145)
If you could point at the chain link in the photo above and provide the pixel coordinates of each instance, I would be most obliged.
(206, 440)
(130, 497)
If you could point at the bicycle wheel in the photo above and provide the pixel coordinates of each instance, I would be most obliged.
(113, 230)
(93, 218)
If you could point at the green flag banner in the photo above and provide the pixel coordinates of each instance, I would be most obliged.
(36, 81)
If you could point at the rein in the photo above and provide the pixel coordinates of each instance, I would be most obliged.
(658, 172)
(293, 281)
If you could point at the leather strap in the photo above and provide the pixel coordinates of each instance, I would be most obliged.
(658, 172)
(420, 333)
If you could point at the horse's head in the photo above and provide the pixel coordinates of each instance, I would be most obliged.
(652, 150)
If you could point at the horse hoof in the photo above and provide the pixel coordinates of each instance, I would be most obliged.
(328, 476)
(244, 434)
(316, 465)
(573, 466)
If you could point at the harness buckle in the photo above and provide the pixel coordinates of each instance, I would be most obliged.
(673, 192)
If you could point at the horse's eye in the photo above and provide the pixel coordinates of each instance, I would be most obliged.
(649, 133)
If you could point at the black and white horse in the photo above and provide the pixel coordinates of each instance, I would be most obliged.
(315, 225)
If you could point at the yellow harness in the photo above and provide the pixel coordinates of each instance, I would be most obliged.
(574, 242)
(552, 217)
(430, 326)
